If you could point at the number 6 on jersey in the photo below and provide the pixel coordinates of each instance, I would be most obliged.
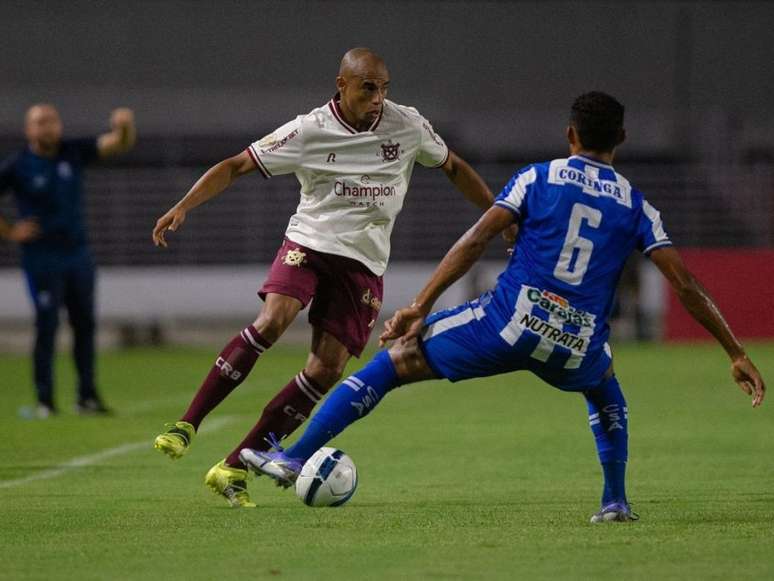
(574, 241)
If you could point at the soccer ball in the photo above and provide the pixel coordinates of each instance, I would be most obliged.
(329, 478)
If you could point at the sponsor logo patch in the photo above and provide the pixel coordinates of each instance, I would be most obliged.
(272, 144)
(364, 194)
(560, 307)
(371, 300)
(268, 141)
(554, 334)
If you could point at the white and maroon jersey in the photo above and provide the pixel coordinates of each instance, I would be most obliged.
(352, 183)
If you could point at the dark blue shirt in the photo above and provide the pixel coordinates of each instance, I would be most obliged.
(49, 189)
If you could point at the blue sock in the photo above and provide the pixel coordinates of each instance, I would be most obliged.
(609, 421)
(353, 399)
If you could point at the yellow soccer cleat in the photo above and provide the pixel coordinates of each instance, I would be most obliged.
(230, 483)
(176, 440)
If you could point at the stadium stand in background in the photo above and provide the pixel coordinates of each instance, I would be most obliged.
(705, 206)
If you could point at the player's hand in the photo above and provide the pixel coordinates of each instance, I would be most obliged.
(24, 231)
(169, 221)
(749, 379)
(405, 324)
(121, 117)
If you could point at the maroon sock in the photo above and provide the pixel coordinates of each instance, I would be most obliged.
(281, 416)
(230, 369)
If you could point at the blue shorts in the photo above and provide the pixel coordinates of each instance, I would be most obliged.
(470, 340)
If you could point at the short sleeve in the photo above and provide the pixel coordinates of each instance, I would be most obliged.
(514, 195)
(281, 151)
(86, 147)
(650, 230)
(433, 152)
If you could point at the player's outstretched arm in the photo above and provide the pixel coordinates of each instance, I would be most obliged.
(474, 188)
(406, 323)
(703, 309)
(122, 135)
(467, 180)
(212, 183)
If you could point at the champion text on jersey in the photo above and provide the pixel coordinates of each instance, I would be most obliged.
(360, 191)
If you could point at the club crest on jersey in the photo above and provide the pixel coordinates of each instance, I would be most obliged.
(64, 170)
(294, 258)
(372, 301)
(390, 151)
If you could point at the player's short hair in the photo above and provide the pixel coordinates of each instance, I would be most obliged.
(598, 120)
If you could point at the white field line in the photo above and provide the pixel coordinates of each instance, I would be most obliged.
(147, 405)
(92, 459)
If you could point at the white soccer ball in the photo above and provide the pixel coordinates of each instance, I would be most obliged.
(329, 478)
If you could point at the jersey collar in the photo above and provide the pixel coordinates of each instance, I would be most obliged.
(333, 104)
(592, 161)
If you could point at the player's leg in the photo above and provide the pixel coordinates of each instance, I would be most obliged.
(343, 314)
(293, 404)
(609, 421)
(45, 288)
(458, 343)
(237, 359)
(230, 369)
(451, 344)
(281, 416)
(288, 288)
(79, 302)
(353, 399)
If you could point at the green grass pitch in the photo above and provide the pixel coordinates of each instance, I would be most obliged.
(489, 479)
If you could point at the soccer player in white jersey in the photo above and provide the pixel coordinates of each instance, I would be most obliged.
(353, 158)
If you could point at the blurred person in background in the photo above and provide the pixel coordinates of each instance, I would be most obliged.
(46, 179)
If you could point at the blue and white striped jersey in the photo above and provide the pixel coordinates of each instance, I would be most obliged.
(578, 222)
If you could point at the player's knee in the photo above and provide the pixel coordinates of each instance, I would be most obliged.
(324, 374)
(271, 325)
(409, 361)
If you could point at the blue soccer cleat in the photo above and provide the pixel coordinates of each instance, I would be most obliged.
(615, 512)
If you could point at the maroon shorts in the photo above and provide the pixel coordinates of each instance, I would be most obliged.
(345, 295)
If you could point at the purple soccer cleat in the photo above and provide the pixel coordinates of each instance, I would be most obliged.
(273, 463)
(615, 512)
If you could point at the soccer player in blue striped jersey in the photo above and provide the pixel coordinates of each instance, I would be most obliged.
(578, 221)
